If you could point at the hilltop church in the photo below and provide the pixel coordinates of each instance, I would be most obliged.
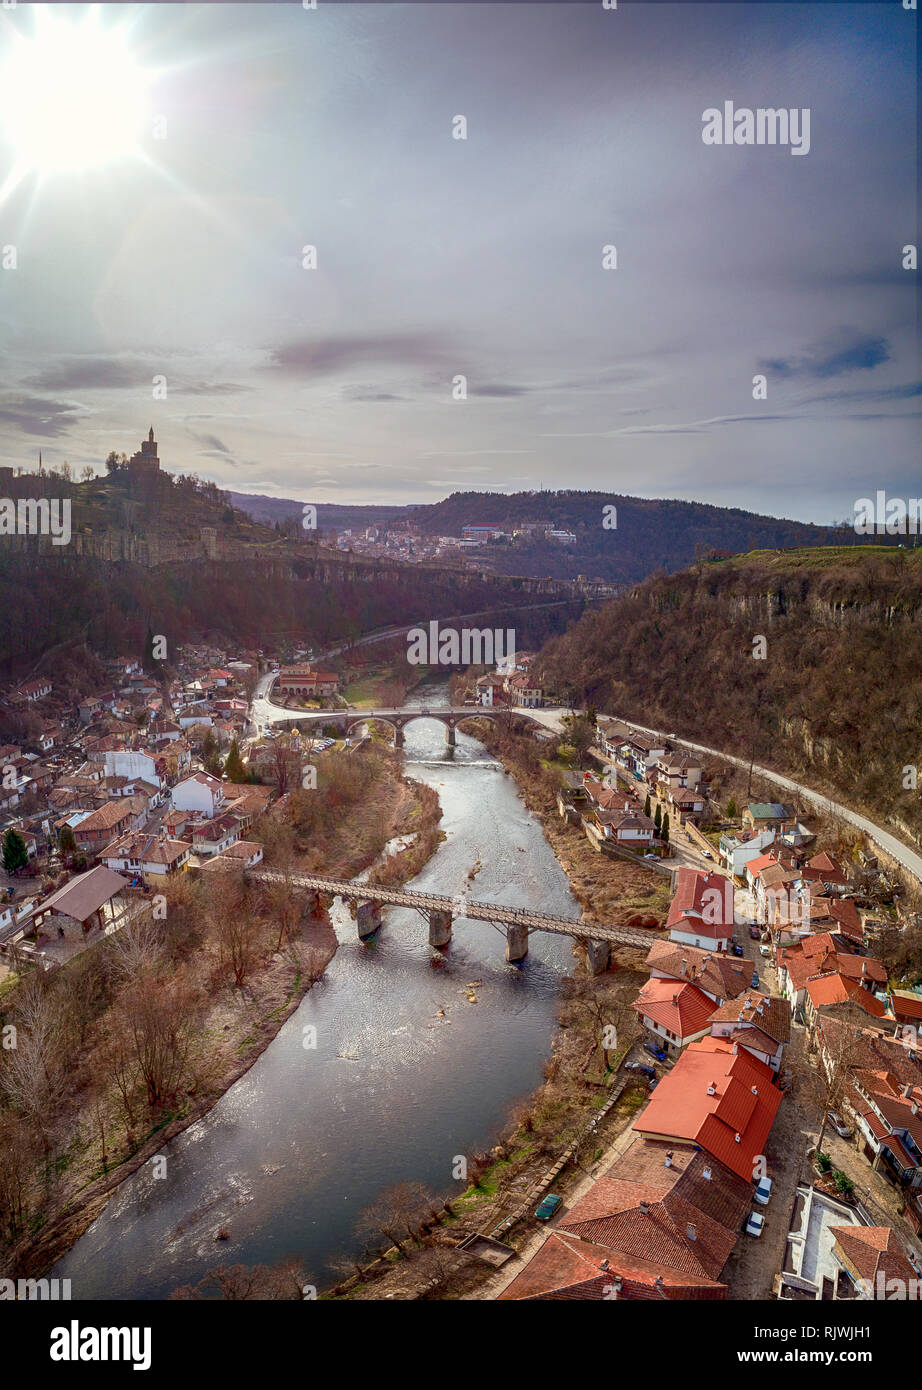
(146, 460)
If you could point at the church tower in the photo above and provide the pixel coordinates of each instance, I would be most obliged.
(146, 460)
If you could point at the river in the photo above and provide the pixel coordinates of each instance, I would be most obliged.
(288, 1158)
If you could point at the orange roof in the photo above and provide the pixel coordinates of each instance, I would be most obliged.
(838, 989)
(703, 903)
(870, 1249)
(718, 1096)
(681, 1008)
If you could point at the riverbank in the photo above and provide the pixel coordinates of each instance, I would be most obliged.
(181, 986)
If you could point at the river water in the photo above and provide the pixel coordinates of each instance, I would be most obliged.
(288, 1158)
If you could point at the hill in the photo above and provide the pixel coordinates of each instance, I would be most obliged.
(837, 700)
(173, 553)
(331, 516)
(649, 535)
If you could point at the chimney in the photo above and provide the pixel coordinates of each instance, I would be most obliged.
(737, 1139)
(644, 1208)
(669, 1159)
(712, 1089)
(755, 1090)
(691, 1231)
(604, 1265)
(660, 1287)
(907, 1090)
(706, 1174)
(615, 1285)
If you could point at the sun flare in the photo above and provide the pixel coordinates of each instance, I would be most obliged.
(72, 97)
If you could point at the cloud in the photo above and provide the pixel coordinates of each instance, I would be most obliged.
(832, 358)
(323, 356)
(87, 372)
(500, 389)
(359, 393)
(43, 418)
(214, 444)
(213, 388)
(906, 392)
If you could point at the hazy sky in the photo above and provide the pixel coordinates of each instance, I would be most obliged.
(483, 257)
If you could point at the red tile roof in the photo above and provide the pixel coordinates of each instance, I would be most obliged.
(714, 1093)
(702, 905)
(835, 988)
(873, 1249)
(681, 1008)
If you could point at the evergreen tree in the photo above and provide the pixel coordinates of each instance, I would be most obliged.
(233, 765)
(210, 757)
(732, 809)
(15, 854)
(665, 832)
(658, 818)
(66, 842)
(646, 805)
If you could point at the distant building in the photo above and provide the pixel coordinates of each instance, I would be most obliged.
(146, 460)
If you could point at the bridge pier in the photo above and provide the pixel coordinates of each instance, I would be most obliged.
(439, 928)
(398, 738)
(598, 956)
(450, 735)
(516, 944)
(368, 918)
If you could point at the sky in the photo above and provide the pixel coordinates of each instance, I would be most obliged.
(268, 128)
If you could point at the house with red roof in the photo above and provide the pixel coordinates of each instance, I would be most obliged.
(759, 1022)
(839, 992)
(820, 954)
(718, 976)
(876, 1261)
(702, 910)
(906, 1007)
(659, 1225)
(890, 1122)
(718, 1096)
(675, 1012)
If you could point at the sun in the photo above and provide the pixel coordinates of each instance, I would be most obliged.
(72, 97)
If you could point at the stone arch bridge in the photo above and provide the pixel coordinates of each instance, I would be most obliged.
(398, 719)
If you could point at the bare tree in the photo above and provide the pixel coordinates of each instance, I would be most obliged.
(826, 1075)
(396, 1214)
(285, 1280)
(158, 1014)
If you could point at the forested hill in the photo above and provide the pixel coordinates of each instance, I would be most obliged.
(837, 698)
(649, 535)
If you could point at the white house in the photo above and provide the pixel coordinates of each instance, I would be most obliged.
(737, 853)
(136, 766)
(152, 855)
(200, 792)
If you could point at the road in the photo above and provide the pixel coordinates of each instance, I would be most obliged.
(908, 858)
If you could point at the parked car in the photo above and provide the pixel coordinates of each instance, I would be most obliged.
(755, 1223)
(547, 1206)
(651, 856)
(763, 1191)
(706, 854)
(754, 933)
(764, 950)
(641, 1067)
(736, 948)
(839, 1125)
(754, 983)
(655, 1051)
